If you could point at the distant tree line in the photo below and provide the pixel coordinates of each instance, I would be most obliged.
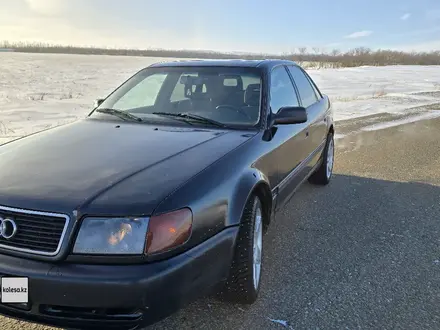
(314, 57)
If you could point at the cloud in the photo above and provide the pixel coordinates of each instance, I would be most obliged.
(404, 17)
(359, 34)
(57, 30)
(47, 7)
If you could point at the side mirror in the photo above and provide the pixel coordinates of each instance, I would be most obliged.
(98, 102)
(290, 115)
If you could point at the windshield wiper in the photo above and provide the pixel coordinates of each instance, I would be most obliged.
(119, 113)
(192, 117)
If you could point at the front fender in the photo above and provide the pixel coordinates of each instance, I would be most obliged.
(217, 199)
(252, 181)
(217, 195)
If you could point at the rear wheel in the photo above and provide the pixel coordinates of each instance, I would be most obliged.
(324, 173)
(243, 283)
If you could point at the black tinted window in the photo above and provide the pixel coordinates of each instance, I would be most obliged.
(282, 92)
(306, 91)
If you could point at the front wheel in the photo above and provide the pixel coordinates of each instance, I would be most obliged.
(324, 173)
(243, 283)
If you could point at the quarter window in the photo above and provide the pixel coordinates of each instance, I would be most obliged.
(305, 89)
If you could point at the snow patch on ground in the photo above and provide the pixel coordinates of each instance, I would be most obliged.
(39, 91)
(407, 120)
(281, 322)
(364, 91)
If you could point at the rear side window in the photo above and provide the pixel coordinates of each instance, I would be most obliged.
(317, 92)
(282, 92)
(306, 91)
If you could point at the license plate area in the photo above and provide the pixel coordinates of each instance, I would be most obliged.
(21, 306)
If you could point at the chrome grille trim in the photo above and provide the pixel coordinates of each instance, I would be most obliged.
(43, 214)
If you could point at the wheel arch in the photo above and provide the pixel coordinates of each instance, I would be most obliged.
(263, 192)
(253, 183)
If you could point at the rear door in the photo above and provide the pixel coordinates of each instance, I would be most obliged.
(289, 140)
(312, 100)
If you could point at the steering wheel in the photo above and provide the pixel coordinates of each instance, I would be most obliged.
(233, 108)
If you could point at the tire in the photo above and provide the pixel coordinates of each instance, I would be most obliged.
(240, 286)
(324, 173)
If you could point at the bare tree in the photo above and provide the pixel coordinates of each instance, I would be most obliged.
(335, 58)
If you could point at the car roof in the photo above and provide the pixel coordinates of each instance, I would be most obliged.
(265, 63)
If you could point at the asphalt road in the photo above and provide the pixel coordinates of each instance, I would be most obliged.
(363, 252)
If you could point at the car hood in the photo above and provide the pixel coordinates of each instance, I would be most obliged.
(127, 167)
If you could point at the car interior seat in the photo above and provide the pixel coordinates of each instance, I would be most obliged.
(252, 101)
(234, 93)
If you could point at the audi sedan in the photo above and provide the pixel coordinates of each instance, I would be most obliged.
(161, 194)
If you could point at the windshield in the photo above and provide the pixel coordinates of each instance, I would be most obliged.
(226, 95)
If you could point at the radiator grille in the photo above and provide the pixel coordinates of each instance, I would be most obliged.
(36, 232)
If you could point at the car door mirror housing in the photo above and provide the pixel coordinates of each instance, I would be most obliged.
(98, 102)
(290, 115)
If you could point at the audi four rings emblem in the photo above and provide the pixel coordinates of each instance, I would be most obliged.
(8, 228)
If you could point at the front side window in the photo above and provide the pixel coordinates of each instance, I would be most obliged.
(282, 92)
(227, 95)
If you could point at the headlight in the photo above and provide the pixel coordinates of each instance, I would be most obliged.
(111, 236)
(134, 236)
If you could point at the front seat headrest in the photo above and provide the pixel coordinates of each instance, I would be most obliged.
(252, 95)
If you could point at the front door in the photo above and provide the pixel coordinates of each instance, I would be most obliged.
(315, 113)
(289, 141)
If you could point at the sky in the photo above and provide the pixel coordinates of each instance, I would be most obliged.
(269, 26)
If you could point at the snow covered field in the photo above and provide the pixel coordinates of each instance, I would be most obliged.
(38, 91)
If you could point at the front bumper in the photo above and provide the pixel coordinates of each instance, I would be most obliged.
(119, 296)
